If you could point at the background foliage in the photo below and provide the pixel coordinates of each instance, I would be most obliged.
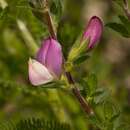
(104, 79)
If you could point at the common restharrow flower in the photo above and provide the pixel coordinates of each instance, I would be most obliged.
(93, 31)
(48, 64)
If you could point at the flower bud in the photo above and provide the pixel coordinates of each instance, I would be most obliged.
(93, 31)
(50, 55)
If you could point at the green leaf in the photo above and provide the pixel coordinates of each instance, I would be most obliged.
(54, 85)
(92, 83)
(100, 95)
(57, 8)
(95, 121)
(108, 110)
(37, 9)
(125, 21)
(123, 127)
(120, 28)
(81, 59)
(115, 116)
(34, 124)
(85, 91)
(89, 85)
(4, 13)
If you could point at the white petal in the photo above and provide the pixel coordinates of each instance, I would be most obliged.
(38, 73)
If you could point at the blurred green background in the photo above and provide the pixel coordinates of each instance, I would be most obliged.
(109, 61)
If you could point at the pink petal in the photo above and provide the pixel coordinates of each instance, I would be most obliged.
(54, 58)
(50, 55)
(42, 53)
(38, 73)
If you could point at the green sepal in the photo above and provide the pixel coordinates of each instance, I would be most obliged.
(77, 50)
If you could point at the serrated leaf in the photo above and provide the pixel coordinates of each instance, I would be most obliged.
(35, 124)
(57, 8)
(111, 112)
(94, 120)
(120, 28)
(92, 83)
(100, 95)
(108, 110)
(125, 21)
(89, 85)
(37, 9)
(85, 91)
(115, 117)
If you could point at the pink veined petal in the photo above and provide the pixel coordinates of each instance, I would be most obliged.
(42, 53)
(54, 58)
(38, 73)
(93, 31)
(50, 55)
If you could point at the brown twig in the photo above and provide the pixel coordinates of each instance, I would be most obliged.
(84, 104)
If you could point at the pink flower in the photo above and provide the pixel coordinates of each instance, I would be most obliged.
(48, 64)
(93, 31)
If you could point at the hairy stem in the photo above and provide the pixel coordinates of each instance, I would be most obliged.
(48, 20)
(50, 24)
(84, 104)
